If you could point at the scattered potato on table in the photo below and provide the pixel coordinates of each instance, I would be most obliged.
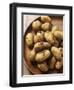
(42, 56)
(43, 67)
(56, 52)
(29, 39)
(49, 37)
(41, 45)
(36, 25)
(46, 19)
(46, 26)
(39, 37)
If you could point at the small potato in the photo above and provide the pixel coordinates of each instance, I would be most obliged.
(49, 37)
(29, 39)
(58, 65)
(39, 37)
(56, 52)
(32, 55)
(52, 63)
(61, 50)
(56, 43)
(43, 67)
(55, 28)
(46, 26)
(42, 56)
(36, 25)
(45, 19)
(41, 45)
(58, 35)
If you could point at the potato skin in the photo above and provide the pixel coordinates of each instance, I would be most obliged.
(49, 37)
(42, 56)
(55, 28)
(41, 45)
(58, 35)
(43, 67)
(52, 63)
(56, 52)
(36, 25)
(61, 50)
(29, 39)
(46, 19)
(56, 43)
(46, 26)
(32, 55)
(39, 37)
(58, 65)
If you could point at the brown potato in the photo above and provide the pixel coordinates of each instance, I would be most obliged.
(46, 26)
(45, 19)
(56, 52)
(43, 67)
(29, 39)
(49, 37)
(52, 63)
(32, 55)
(58, 35)
(41, 45)
(42, 56)
(36, 25)
(58, 65)
(39, 37)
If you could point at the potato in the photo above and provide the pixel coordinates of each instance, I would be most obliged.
(58, 35)
(52, 63)
(46, 26)
(55, 28)
(42, 56)
(61, 50)
(36, 25)
(56, 52)
(39, 37)
(32, 55)
(58, 65)
(41, 45)
(29, 39)
(43, 67)
(45, 19)
(49, 37)
(56, 43)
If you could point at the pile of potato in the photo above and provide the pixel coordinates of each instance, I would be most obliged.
(46, 44)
